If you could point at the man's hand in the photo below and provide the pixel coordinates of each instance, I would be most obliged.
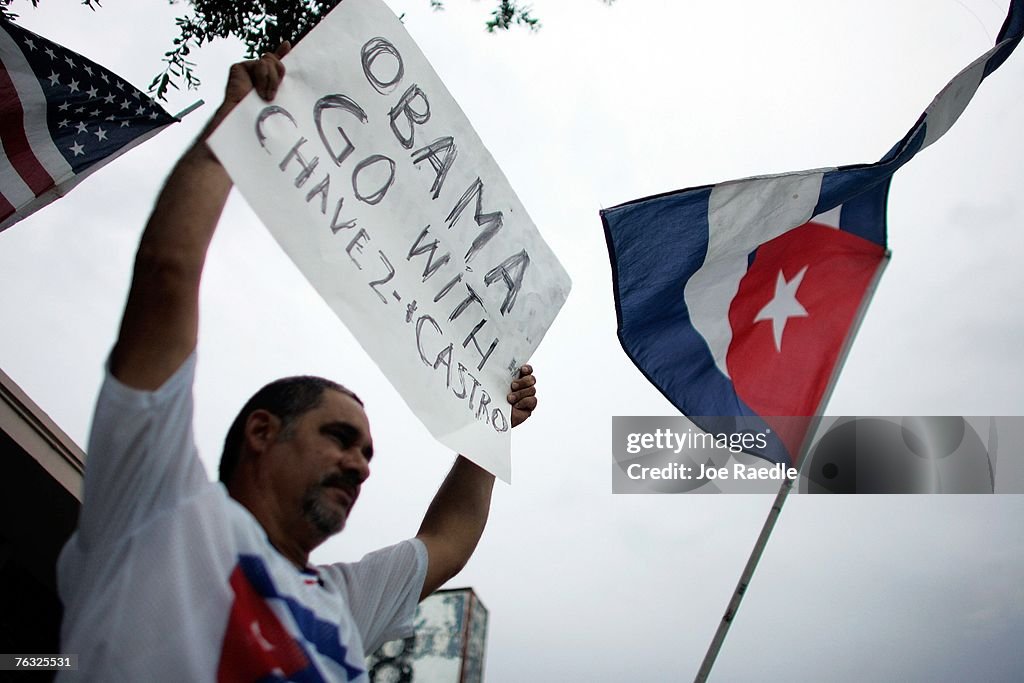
(263, 75)
(523, 396)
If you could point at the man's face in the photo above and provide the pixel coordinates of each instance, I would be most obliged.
(320, 461)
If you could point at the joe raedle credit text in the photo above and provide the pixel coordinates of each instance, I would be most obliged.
(709, 471)
(672, 455)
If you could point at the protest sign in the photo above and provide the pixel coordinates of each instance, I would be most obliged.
(373, 181)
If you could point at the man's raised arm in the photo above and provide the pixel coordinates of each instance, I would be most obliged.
(161, 318)
(456, 517)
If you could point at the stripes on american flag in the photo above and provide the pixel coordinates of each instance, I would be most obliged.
(62, 117)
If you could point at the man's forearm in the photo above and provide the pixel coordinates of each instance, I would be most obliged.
(455, 521)
(190, 204)
(161, 318)
(456, 518)
(160, 322)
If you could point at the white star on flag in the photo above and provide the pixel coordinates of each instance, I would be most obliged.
(783, 305)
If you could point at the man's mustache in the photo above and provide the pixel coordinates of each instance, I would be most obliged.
(347, 480)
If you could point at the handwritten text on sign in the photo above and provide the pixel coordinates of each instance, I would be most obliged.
(371, 178)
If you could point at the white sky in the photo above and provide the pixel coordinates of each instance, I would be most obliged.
(603, 105)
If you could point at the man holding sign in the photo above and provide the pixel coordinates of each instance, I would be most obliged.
(170, 577)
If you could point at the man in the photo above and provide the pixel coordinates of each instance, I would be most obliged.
(172, 578)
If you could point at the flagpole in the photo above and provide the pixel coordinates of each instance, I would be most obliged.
(189, 109)
(785, 487)
(741, 587)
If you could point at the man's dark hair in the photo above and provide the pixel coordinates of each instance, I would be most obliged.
(287, 398)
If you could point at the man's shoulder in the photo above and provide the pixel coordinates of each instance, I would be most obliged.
(405, 558)
(409, 548)
(115, 390)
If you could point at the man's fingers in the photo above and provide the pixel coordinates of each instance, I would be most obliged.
(263, 74)
(523, 382)
(514, 397)
(266, 75)
(523, 395)
(526, 404)
(284, 48)
(524, 386)
(522, 410)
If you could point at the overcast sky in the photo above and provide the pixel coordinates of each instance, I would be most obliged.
(604, 105)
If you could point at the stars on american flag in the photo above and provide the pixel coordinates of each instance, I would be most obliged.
(56, 99)
(93, 104)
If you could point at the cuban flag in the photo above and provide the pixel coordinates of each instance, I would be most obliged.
(739, 300)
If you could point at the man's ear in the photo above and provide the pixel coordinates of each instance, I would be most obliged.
(262, 428)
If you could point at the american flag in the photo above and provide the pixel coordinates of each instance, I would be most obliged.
(62, 117)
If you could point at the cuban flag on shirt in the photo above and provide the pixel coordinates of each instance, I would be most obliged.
(739, 300)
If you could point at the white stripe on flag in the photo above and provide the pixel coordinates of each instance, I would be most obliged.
(830, 217)
(14, 188)
(742, 215)
(951, 102)
(33, 103)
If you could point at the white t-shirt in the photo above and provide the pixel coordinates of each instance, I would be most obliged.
(169, 579)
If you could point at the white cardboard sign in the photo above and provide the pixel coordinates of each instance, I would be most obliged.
(370, 177)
